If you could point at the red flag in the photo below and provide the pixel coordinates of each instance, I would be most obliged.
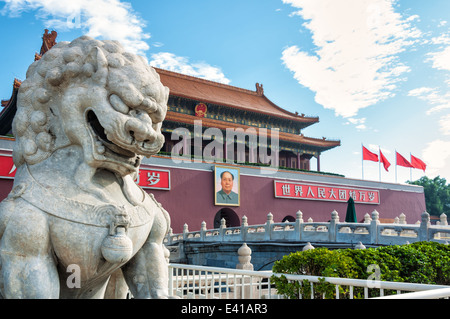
(401, 161)
(418, 163)
(384, 161)
(369, 156)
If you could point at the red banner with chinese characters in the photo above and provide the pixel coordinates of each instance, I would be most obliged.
(154, 178)
(295, 190)
(7, 167)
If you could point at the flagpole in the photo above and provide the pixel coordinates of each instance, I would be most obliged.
(379, 161)
(396, 166)
(410, 169)
(362, 160)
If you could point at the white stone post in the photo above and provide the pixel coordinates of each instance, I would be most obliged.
(423, 229)
(244, 225)
(223, 227)
(185, 231)
(244, 221)
(203, 231)
(374, 227)
(244, 289)
(244, 256)
(332, 227)
(169, 236)
(444, 221)
(268, 230)
(298, 225)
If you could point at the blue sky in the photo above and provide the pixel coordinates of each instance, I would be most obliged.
(376, 72)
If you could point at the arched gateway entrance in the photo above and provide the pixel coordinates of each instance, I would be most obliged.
(231, 218)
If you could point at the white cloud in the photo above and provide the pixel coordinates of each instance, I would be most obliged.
(360, 123)
(437, 153)
(437, 157)
(376, 148)
(441, 59)
(439, 101)
(444, 123)
(355, 63)
(113, 20)
(172, 62)
(421, 91)
(107, 19)
(441, 39)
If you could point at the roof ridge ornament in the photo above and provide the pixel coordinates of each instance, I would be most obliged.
(259, 89)
(17, 83)
(48, 41)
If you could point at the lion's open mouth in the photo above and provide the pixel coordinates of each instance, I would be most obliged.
(100, 132)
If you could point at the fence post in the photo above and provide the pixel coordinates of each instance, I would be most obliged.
(203, 231)
(423, 229)
(268, 231)
(170, 281)
(185, 231)
(223, 226)
(244, 225)
(308, 246)
(169, 236)
(444, 221)
(244, 256)
(298, 225)
(332, 226)
(374, 227)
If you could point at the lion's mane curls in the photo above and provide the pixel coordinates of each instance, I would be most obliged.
(35, 124)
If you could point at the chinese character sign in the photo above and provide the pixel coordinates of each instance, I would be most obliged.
(325, 192)
(154, 178)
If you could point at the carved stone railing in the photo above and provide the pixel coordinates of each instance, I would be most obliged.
(369, 232)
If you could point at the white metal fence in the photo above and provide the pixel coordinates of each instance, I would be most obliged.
(192, 282)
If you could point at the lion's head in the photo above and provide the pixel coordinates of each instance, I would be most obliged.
(93, 94)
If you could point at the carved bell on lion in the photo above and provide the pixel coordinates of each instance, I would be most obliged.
(117, 247)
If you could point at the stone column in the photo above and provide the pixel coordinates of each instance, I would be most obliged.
(185, 231)
(268, 227)
(332, 229)
(298, 225)
(222, 229)
(244, 289)
(318, 162)
(244, 225)
(374, 227)
(424, 225)
(244, 256)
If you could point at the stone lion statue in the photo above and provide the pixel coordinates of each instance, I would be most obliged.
(87, 113)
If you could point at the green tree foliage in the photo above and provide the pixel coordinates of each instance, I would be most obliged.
(315, 262)
(422, 262)
(437, 194)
